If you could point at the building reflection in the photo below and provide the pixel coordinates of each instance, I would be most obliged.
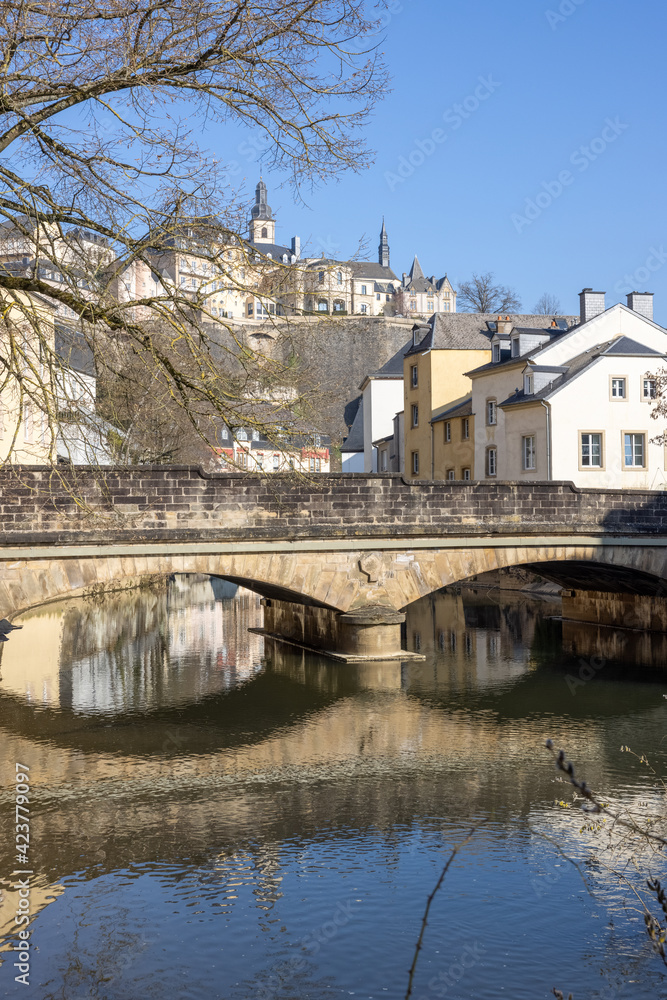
(134, 650)
(473, 638)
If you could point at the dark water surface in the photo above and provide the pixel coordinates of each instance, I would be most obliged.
(214, 819)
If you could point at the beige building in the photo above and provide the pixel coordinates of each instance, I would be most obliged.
(419, 296)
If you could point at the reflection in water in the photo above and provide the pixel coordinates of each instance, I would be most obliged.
(215, 820)
(137, 650)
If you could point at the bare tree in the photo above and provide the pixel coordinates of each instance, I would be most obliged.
(103, 185)
(481, 294)
(547, 305)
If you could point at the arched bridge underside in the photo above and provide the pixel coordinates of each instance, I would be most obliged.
(342, 579)
(336, 558)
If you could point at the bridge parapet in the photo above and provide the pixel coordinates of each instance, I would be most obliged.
(150, 503)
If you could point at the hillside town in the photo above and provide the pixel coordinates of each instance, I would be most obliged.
(468, 396)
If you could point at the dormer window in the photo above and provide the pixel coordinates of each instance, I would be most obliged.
(515, 347)
(496, 353)
(528, 385)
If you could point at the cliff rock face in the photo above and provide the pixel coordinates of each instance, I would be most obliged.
(334, 356)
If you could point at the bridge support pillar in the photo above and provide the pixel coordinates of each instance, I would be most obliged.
(359, 636)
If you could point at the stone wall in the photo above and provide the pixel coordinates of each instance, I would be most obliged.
(38, 506)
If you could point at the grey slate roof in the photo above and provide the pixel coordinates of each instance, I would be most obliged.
(274, 249)
(470, 331)
(463, 409)
(355, 439)
(367, 269)
(577, 365)
(625, 346)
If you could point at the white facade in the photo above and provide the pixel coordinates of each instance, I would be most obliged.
(383, 398)
(574, 406)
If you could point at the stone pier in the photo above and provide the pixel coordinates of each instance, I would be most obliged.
(364, 634)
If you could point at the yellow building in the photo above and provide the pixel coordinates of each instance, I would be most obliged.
(453, 434)
(435, 381)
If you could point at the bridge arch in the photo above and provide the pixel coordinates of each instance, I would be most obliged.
(344, 579)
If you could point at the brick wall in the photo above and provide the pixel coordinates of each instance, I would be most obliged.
(173, 502)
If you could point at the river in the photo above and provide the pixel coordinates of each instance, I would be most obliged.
(214, 816)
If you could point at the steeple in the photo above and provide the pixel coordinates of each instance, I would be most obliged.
(262, 223)
(383, 249)
(416, 269)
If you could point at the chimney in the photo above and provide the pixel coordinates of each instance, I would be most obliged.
(504, 325)
(590, 304)
(405, 279)
(642, 303)
(296, 246)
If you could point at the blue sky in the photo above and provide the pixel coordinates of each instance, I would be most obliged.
(553, 177)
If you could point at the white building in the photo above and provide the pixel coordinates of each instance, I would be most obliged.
(382, 394)
(574, 404)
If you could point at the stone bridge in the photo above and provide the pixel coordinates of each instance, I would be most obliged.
(336, 557)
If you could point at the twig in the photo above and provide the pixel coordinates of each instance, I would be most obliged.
(430, 899)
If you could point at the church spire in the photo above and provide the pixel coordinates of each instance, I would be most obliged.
(383, 249)
(262, 222)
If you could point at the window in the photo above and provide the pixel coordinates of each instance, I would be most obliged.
(388, 297)
(243, 459)
(491, 461)
(363, 289)
(415, 415)
(466, 475)
(414, 376)
(323, 306)
(27, 423)
(618, 388)
(450, 475)
(528, 448)
(312, 465)
(528, 385)
(383, 461)
(413, 303)
(276, 462)
(242, 435)
(250, 309)
(446, 307)
(634, 450)
(318, 465)
(339, 277)
(465, 429)
(364, 308)
(649, 388)
(491, 412)
(377, 296)
(415, 463)
(496, 353)
(448, 430)
(515, 347)
(255, 435)
(591, 450)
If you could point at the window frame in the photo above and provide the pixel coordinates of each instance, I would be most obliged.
(650, 379)
(496, 354)
(618, 378)
(635, 433)
(491, 450)
(448, 431)
(414, 415)
(414, 463)
(525, 438)
(466, 474)
(592, 468)
(492, 401)
(450, 475)
(465, 428)
(414, 376)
